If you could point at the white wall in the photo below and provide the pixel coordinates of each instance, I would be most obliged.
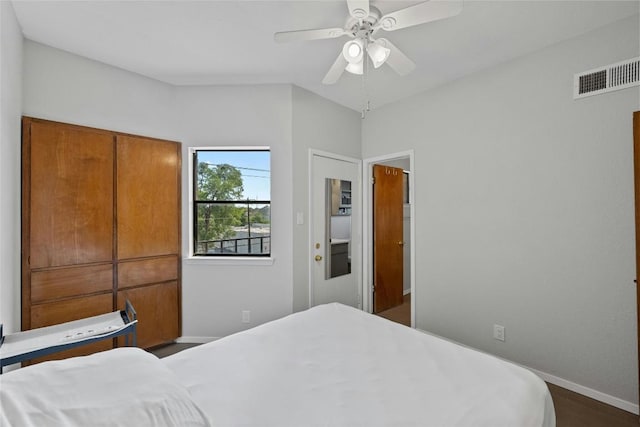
(10, 135)
(525, 212)
(322, 125)
(61, 86)
(214, 295)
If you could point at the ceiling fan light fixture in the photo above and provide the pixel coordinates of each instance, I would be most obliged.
(378, 53)
(353, 51)
(355, 68)
(364, 21)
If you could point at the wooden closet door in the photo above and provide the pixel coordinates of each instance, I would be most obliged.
(100, 208)
(71, 207)
(67, 223)
(148, 200)
(148, 230)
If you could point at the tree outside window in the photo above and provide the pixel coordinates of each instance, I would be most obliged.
(232, 208)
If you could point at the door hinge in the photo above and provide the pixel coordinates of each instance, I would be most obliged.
(373, 180)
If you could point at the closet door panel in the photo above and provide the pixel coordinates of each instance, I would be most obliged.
(72, 210)
(72, 309)
(145, 271)
(148, 200)
(68, 282)
(157, 307)
(63, 311)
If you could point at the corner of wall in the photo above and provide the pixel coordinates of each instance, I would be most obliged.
(11, 45)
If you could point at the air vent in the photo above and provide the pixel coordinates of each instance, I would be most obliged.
(612, 77)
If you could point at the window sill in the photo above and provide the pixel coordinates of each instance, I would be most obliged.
(201, 260)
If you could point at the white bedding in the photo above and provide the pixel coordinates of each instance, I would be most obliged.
(121, 387)
(334, 365)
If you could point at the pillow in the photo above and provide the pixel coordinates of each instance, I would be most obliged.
(123, 386)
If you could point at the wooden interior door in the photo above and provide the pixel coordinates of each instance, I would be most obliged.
(387, 237)
(636, 172)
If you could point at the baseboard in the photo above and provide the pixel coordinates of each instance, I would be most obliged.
(195, 340)
(561, 382)
(586, 391)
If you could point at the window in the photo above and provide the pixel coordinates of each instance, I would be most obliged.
(232, 202)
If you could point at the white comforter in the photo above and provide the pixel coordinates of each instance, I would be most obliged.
(334, 365)
(121, 387)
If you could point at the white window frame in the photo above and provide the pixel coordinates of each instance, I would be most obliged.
(219, 260)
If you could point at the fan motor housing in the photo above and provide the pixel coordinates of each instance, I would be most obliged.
(362, 28)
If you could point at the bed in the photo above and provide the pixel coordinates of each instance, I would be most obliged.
(331, 365)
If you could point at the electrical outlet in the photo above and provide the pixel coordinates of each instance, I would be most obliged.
(498, 332)
(246, 316)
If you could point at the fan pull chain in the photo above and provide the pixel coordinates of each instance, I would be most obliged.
(365, 92)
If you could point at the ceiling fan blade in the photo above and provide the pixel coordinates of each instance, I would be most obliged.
(359, 9)
(397, 60)
(335, 71)
(301, 35)
(420, 13)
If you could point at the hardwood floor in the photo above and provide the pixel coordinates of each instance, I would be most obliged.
(400, 314)
(576, 410)
(169, 349)
(572, 409)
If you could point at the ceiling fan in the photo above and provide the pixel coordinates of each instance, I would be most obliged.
(364, 22)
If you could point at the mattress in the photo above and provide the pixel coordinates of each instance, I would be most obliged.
(334, 365)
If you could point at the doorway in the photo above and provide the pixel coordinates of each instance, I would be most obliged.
(335, 206)
(405, 312)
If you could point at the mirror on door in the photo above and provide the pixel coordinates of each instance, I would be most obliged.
(338, 228)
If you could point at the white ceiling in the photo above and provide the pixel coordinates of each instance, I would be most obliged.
(231, 42)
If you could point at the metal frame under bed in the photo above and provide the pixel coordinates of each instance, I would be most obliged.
(21, 346)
